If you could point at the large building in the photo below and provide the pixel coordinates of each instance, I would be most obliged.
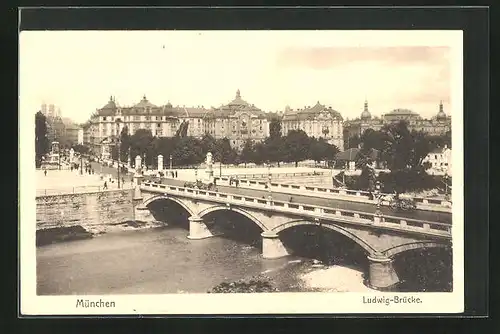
(318, 121)
(238, 121)
(437, 125)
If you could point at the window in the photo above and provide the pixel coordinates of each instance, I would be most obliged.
(104, 118)
(158, 118)
(148, 118)
(158, 125)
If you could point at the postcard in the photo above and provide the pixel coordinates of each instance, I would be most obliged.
(241, 172)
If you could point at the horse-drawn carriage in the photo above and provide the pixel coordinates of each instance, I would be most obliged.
(200, 185)
(397, 203)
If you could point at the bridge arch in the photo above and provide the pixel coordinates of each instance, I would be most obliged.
(391, 252)
(173, 199)
(234, 209)
(329, 225)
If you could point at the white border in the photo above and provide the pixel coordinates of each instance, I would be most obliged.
(275, 303)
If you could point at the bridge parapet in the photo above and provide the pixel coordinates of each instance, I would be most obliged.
(431, 204)
(405, 225)
(273, 175)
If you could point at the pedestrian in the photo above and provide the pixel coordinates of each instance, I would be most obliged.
(290, 199)
(45, 172)
(123, 180)
(105, 185)
(176, 174)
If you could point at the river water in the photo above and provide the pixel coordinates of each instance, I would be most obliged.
(163, 260)
(158, 260)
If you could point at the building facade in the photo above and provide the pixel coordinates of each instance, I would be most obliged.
(440, 161)
(318, 121)
(437, 125)
(238, 121)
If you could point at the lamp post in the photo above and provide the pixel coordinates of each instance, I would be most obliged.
(170, 158)
(269, 181)
(446, 185)
(220, 168)
(81, 164)
(119, 148)
(377, 195)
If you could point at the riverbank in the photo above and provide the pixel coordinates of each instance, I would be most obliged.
(303, 275)
(54, 235)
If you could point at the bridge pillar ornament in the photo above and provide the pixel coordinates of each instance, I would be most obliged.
(137, 186)
(160, 162)
(383, 276)
(209, 173)
(198, 229)
(272, 246)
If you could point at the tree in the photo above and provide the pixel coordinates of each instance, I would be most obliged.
(208, 144)
(351, 141)
(273, 150)
(248, 152)
(275, 128)
(41, 141)
(187, 151)
(296, 146)
(224, 152)
(260, 153)
(404, 152)
(440, 141)
(140, 144)
(320, 150)
(125, 143)
(164, 146)
(371, 139)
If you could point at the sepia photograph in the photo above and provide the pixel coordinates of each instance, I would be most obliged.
(170, 172)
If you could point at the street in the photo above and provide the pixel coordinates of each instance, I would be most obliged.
(326, 202)
(441, 217)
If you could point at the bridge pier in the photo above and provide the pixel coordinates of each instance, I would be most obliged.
(383, 276)
(198, 229)
(272, 247)
(137, 187)
(142, 213)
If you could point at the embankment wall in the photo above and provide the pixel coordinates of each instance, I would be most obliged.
(84, 209)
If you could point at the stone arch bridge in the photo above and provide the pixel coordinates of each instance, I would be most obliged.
(382, 237)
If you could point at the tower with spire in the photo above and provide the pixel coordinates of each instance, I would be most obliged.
(365, 115)
(441, 115)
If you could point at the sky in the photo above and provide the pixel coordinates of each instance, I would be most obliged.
(79, 70)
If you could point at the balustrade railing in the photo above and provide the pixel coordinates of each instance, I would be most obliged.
(360, 194)
(80, 190)
(314, 211)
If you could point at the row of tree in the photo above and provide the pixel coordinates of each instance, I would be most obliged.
(403, 151)
(41, 140)
(294, 147)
